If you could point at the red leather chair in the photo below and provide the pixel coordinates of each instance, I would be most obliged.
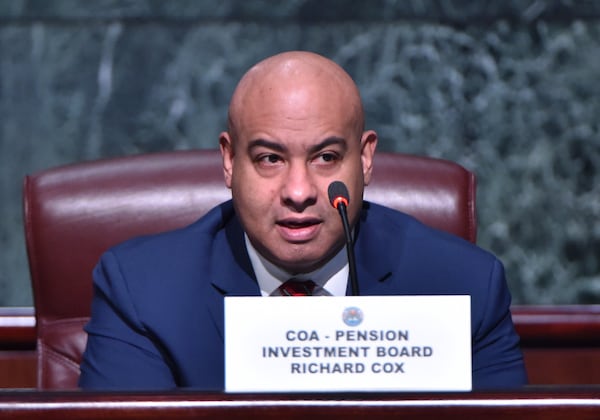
(73, 213)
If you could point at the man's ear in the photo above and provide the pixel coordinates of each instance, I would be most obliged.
(226, 147)
(368, 143)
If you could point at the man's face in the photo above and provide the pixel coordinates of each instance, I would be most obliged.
(284, 152)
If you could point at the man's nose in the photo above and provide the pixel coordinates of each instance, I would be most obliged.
(299, 190)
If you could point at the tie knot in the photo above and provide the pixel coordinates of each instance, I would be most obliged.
(295, 287)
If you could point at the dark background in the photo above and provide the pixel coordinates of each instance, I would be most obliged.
(508, 88)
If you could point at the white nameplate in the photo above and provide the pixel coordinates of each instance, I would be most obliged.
(352, 343)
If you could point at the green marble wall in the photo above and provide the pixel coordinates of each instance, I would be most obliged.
(509, 89)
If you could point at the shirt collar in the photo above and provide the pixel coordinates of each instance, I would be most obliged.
(333, 276)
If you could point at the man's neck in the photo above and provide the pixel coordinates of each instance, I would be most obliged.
(333, 276)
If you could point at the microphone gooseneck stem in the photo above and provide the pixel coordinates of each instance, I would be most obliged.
(350, 249)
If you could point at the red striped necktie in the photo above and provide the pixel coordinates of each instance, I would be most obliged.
(294, 287)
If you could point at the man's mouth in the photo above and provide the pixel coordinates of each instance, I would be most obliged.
(299, 230)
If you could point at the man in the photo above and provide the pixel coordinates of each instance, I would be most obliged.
(295, 125)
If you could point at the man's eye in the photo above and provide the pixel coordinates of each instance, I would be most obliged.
(269, 159)
(327, 158)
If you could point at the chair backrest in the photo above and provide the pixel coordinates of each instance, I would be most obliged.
(74, 213)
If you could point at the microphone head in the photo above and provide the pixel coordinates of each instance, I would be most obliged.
(338, 194)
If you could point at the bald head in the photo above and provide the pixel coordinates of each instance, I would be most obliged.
(295, 79)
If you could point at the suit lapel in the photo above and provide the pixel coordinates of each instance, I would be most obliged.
(231, 273)
(378, 252)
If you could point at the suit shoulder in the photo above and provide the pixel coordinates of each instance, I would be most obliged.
(393, 226)
(186, 238)
(166, 264)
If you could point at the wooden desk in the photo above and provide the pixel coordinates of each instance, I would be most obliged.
(17, 348)
(552, 404)
(561, 345)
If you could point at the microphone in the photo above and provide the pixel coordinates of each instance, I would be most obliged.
(339, 199)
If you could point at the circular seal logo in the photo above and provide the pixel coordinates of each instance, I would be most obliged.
(352, 316)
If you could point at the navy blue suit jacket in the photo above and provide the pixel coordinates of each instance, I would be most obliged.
(157, 311)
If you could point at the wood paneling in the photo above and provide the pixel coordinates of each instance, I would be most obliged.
(17, 369)
(562, 366)
(17, 348)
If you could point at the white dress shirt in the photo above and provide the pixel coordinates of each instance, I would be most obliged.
(331, 279)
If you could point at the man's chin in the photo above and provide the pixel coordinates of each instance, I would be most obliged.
(305, 264)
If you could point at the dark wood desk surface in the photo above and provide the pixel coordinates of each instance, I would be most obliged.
(548, 404)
